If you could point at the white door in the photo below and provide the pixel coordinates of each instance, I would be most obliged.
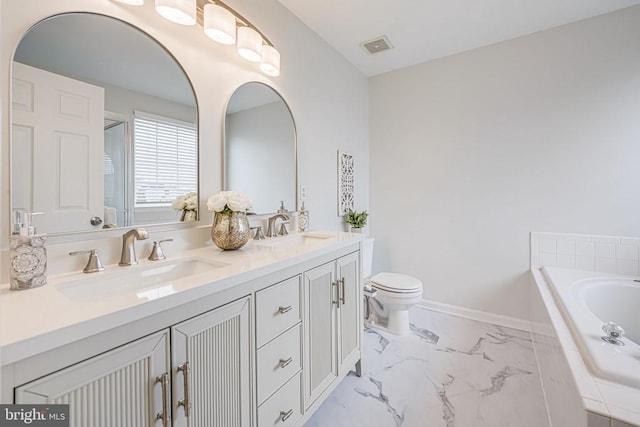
(321, 302)
(349, 317)
(57, 149)
(211, 368)
(119, 388)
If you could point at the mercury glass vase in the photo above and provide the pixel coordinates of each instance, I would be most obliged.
(188, 216)
(230, 230)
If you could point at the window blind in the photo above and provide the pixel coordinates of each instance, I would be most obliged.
(165, 159)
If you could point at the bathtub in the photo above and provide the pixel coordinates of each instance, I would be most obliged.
(587, 300)
(587, 381)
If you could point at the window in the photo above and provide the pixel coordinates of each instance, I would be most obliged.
(165, 155)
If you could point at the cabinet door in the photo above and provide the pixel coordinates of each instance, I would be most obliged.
(211, 368)
(321, 299)
(117, 388)
(349, 318)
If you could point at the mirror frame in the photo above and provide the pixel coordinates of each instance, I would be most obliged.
(296, 199)
(104, 232)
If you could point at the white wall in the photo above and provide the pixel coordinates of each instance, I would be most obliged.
(327, 95)
(471, 152)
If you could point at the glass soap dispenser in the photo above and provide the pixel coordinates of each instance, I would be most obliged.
(27, 254)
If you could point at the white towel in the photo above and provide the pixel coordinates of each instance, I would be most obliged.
(110, 217)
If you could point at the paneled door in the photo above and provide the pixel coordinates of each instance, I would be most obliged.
(321, 302)
(211, 382)
(125, 387)
(349, 317)
(57, 149)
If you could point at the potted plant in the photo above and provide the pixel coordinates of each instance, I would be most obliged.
(230, 229)
(188, 204)
(356, 220)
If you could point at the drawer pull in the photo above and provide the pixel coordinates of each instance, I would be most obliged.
(186, 402)
(343, 297)
(283, 310)
(164, 414)
(284, 416)
(285, 362)
(337, 300)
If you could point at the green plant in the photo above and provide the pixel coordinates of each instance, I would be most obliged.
(356, 219)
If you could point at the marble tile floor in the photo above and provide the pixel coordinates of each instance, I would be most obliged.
(450, 372)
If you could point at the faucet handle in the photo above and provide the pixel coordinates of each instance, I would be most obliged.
(258, 234)
(94, 264)
(157, 253)
(283, 228)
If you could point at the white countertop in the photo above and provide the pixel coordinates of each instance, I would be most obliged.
(36, 320)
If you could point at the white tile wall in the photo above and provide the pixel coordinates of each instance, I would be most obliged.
(607, 254)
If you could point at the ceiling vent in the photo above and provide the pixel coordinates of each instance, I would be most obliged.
(377, 45)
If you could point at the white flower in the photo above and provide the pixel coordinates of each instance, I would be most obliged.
(229, 200)
(178, 203)
(187, 201)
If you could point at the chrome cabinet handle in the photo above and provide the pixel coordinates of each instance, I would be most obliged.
(285, 415)
(285, 362)
(343, 298)
(164, 414)
(337, 300)
(283, 310)
(184, 368)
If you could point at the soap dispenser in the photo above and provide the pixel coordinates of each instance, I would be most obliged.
(303, 219)
(27, 255)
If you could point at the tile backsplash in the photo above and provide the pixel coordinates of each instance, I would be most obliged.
(607, 254)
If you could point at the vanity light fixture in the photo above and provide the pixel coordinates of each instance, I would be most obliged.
(181, 12)
(252, 44)
(224, 25)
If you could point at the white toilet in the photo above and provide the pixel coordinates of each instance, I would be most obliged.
(396, 294)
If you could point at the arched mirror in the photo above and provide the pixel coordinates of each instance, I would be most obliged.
(104, 126)
(260, 158)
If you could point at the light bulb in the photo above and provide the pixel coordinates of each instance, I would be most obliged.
(270, 63)
(249, 44)
(181, 12)
(219, 24)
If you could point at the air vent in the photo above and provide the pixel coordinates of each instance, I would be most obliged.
(377, 45)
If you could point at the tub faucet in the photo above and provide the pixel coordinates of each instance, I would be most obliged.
(271, 229)
(128, 256)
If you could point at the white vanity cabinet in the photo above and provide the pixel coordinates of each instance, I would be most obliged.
(127, 386)
(211, 368)
(332, 323)
(262, 351)
(207, 381)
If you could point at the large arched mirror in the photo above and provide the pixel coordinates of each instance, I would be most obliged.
(104, 126)
(260, 148)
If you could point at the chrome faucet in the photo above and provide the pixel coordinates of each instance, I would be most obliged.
(271, 229)
(128, 256)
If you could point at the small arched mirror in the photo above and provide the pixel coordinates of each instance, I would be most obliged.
(260, 148)
(104, 126)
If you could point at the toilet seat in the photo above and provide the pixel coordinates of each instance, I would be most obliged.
(396, 283)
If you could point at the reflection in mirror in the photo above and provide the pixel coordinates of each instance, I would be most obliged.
(104, 126)
(260, 148)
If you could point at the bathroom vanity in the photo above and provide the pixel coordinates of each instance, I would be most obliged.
(254, 337)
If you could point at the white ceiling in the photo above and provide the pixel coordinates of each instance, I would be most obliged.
(421, 30)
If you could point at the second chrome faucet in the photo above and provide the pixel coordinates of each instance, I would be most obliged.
(128, 256)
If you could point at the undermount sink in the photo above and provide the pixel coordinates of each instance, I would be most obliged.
(293, 241)
(150, 281)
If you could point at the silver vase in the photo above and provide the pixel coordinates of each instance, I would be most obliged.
(230, 230)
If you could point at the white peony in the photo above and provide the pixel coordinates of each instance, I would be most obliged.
(178, 203)
(229, 200)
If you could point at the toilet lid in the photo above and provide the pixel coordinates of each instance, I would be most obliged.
(394, 282)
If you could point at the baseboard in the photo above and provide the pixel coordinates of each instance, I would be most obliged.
(481, 316)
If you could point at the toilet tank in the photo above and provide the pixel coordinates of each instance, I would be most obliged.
(367, 257)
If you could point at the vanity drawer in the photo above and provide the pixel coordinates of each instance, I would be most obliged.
(283, 408)
(278, 361)
(277, 309)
